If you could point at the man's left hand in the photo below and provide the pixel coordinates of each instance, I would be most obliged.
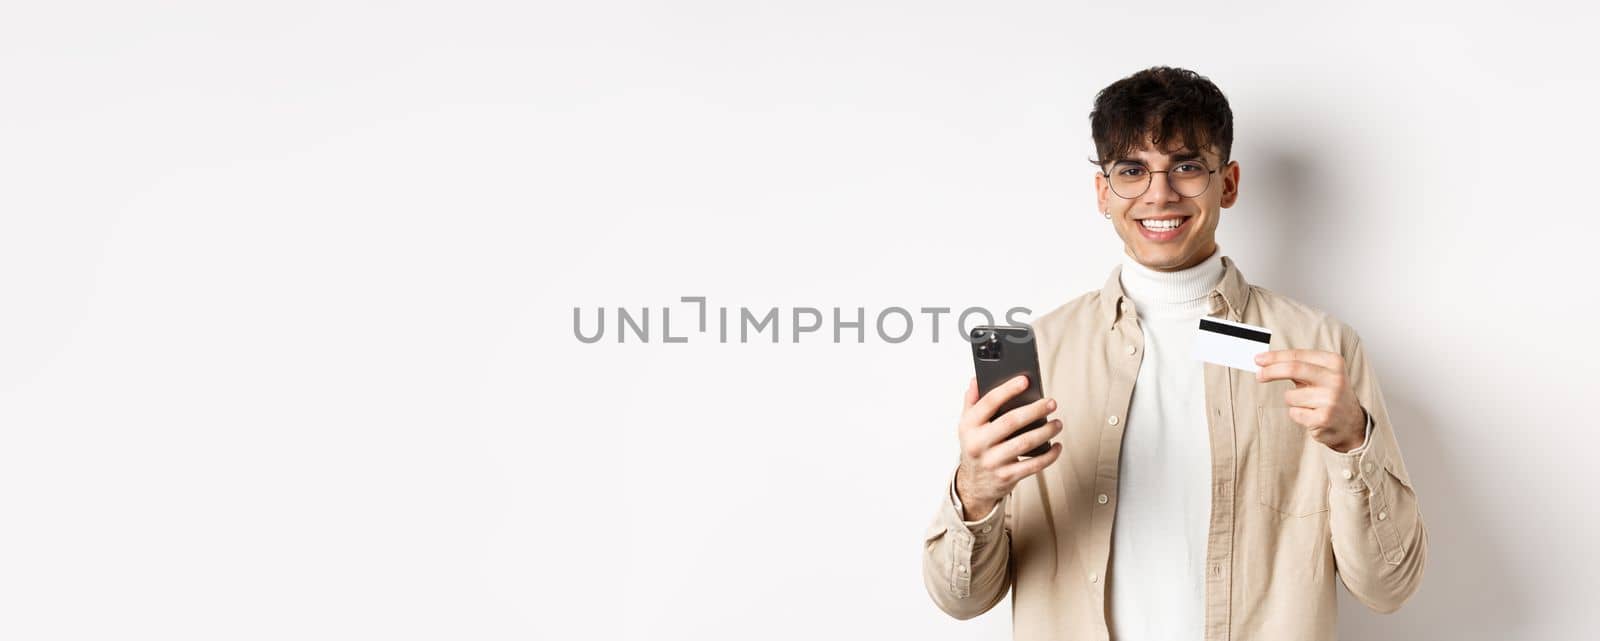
(1321, 400)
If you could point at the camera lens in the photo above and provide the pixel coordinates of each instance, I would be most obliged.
(988, 345)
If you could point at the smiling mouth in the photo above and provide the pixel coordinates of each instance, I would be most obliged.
(1162, 227)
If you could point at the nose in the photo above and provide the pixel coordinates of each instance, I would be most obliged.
(1160, 191)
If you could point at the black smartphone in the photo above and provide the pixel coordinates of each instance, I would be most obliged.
(1001, 353)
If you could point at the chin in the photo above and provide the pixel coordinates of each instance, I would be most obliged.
(1162, 260)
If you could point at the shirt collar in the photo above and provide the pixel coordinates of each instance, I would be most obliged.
(1233, 289)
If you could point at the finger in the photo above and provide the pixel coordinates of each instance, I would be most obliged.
(1024, 469)
(984, 409)
(1008, 451)
(1298, 371)
(1308, 418)
(1004, 425)
(1308, 397)
(1329, 360)
(971, 396)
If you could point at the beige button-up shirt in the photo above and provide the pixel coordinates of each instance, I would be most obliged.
(1290, 517)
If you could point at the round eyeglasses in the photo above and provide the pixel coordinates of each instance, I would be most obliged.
(1188, 178)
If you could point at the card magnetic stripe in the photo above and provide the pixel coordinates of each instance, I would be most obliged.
(1238, 332)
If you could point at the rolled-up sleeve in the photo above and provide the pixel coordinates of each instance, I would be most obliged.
(966, 565)
(1380, 545)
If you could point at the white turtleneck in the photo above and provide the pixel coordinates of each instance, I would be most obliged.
(1158, 541)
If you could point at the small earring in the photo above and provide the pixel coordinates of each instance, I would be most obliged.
(1108, 214)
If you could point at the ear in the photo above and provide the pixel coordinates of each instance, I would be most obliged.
(1230, 183)
(1100, 196)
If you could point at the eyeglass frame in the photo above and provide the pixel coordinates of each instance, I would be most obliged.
(1152, 180)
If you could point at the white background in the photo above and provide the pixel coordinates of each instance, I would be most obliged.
(286, 294)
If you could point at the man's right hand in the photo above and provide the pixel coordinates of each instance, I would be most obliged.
(989, 466)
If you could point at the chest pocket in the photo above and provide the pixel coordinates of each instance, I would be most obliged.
(1293, 479)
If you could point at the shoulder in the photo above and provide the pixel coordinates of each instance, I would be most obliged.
(1301, 325)
(1076, 322)
(1069, 314)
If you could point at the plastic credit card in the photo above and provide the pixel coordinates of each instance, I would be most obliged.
(1231, 344)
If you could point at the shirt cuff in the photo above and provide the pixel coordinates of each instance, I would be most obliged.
(1367, 439)
(1345, 468)
(980, 527)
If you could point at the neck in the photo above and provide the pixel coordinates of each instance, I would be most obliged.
(1149, 287)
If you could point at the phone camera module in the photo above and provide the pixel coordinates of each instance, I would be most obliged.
(988, 345)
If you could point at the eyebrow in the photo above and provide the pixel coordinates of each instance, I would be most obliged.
(1177, 157)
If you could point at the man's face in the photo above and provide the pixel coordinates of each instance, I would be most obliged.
(1193, 241)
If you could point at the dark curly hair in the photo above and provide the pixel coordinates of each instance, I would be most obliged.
(1165, 103)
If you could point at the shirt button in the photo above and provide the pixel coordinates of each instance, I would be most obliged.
(1102, 499)
(1347, 475)
(1369, 467)
(962, 569)
(1112, 420)
(984, 529)
(1383, 515)
(1094, 577)
(1131, 350)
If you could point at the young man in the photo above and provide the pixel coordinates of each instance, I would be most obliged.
(1191, 500)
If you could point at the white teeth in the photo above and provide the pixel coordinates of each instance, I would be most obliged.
(1161, 225)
